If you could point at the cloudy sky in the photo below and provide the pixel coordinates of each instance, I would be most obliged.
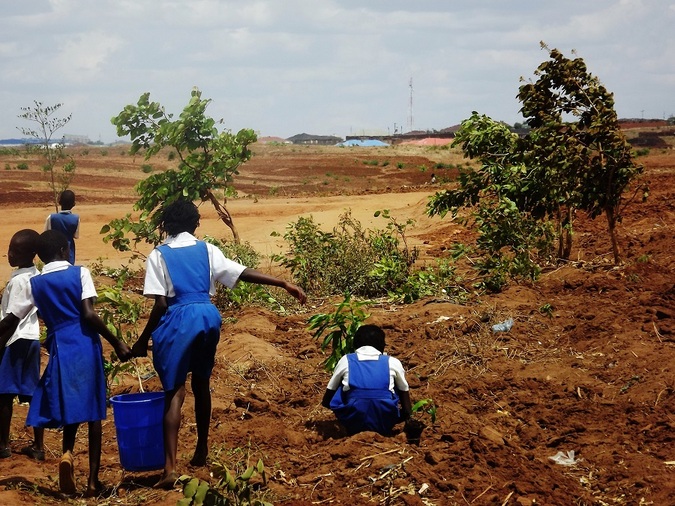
(327, 67)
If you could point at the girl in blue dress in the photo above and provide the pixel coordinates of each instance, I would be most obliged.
(72, 389)
(367, 386)
(185, 325)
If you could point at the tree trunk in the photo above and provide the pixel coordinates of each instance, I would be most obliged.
(224, 215)
(611, 226)
(568, 231)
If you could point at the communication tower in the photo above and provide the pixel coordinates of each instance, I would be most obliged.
(410, 107)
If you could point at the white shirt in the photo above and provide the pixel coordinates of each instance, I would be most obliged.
(16, 293)
(158, 282)
(24, 306)
(341, 371)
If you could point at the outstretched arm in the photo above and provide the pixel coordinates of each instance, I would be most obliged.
(253, 276)
(140, 348)
(92, 318)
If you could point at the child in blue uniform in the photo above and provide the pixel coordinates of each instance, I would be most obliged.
(72, 389)
(367, 386)
(66, 221)
(19, 342)
(185, 325)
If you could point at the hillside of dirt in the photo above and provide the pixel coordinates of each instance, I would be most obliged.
(588, 366)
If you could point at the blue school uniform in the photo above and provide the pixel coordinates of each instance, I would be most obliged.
(72, 388)
(368, 404)
(20, 362)
(186, 337)
(67, 223)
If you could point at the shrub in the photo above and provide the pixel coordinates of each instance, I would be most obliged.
(365, 263)
(22, 166)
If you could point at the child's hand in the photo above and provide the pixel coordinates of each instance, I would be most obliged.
(296, 292)
(140, 349)
(123, 351)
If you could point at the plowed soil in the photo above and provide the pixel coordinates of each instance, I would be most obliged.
(588, 366)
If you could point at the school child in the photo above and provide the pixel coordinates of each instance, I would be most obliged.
(66, 221)
(19, 343)
(185, 325)
(367, 386)
(72, 389)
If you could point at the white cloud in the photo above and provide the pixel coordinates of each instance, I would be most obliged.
(323, 66)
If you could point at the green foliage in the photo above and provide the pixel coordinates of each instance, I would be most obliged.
(547, 309)
(336, 330)
(426, 406)
(366, 263)
(146, 168)
(588, 160)
(208, 161)
(230, 489)
(527, 191)
(116, 309)
(22, 166)
(47, 125)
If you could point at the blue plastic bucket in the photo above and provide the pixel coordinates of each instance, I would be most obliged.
(140, 433)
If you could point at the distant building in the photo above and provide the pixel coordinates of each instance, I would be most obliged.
(325, 140)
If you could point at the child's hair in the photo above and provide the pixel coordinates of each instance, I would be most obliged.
(50, 244)
(25, 242)
(179, 216)
(67, 199)
(369, 335)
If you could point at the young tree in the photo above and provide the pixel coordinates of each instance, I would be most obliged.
(506, 201)
(577, 138)
(47, 126)
(207, 161)
(574, 157)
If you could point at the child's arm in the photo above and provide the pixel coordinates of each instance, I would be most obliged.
(92, 318)
(327, 397)
(253, 276)
(8, 326)
(140, 347)
(406, 405)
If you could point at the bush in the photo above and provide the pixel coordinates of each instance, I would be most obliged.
(364, 263)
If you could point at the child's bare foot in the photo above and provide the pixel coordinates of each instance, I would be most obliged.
(167, 482)
(199, 459)
(94, 489)
(67, 474)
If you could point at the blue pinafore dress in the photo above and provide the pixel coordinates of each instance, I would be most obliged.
(368, 405)
(72, 388)
(66, 223)
(186, 337)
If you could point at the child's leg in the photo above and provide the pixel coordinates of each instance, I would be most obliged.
(201, 390)
(69, 433)
(6, 408)
(173, 402)
(95, 432)
(67, 466)
(38, 438)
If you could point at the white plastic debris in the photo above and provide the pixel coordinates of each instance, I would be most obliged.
(564, 458)
(439, 320)
(504, 326)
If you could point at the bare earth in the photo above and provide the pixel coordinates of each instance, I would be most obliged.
(596, 378)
